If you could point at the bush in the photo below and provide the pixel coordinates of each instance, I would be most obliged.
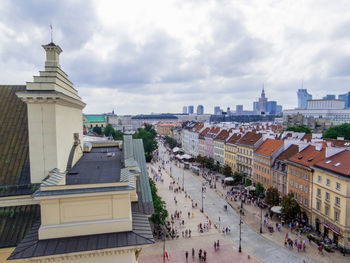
(338, 131)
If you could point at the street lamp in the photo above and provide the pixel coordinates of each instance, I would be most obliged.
(164, 234)
(202, 198)
(240, 229)
(183, 179)
(260, 218)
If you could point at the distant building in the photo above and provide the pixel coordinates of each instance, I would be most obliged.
(217, 110)
(263, 102)
(165, 128)
(316, 125)
(345, 97)
(256, 106)
(279, 109)
(200, 110)
(329, 97)
(303, 97)
(239, 109)
(184, 109)
(228, 111)
(271, 107)
(94, 120)
(190, 109)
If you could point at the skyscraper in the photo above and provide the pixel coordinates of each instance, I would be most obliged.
(256, 106)
(217, 110)
(303, 97)
(271, 107)
(345, 97)
(200, 110)
(263, 102)
(239, 109)
(190, 109)
(184, 109)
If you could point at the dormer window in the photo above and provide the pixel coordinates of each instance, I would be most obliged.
(329, 161)
(337, 164)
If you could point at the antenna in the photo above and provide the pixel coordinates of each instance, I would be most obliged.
(51, 29)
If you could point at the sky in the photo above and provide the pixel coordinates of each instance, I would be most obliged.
(157, 56)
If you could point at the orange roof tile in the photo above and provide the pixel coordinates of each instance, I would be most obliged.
(204, 132)
(338, 163)
(222, 136)
(309, 156)
(234, 138)
(289, 153)
(250, 138)
(269, 146)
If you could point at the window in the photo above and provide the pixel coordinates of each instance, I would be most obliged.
(336, 216)
(300, 199)
(318, 192)
(328, 182)
(301, 187)
(291, 170)
(295, 196)
(296, 185)
(291, 182)
(306, 176)
(319, 179)
(337, 201)
(337, 185)
(306, 202)
(326, 210)
(296, 173)
(327, 196)
(318, 205)
(306, 189)
(301, 175)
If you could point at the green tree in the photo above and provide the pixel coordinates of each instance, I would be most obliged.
(248, 182)
(216, 167)
(209, 163)
(259, 189)
(227, 171)
(290, 206)
(237, 178)
(299, 128)
(338, 131)
(160, 213)
(170, 141)
(97, 130)
(149, 127)
(117, 135)
(149, 142)
(108, 130)
(272, 197)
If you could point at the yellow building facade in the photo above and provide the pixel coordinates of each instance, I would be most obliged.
(331, 198)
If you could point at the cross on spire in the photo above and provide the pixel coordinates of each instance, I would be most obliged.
(51, 29)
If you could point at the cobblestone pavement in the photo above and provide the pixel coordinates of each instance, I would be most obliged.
(252, 243)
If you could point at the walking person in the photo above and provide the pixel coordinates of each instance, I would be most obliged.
(186, 255)
(193, 253)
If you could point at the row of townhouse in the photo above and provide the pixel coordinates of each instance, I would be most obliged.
(316, 171)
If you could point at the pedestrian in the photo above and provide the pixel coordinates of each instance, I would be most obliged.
(186, 255)
(214, 245)
(193, 253)
(218, 244)
(200, 254)
(205, 256)
(189, 233)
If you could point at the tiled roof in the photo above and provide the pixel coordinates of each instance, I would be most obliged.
(250, 138)
(222, 136)
(289, 153)
(234, 138)
(14, 146)
(15, 222)
(309, 156)
(204, 132)
(95, 118)
(197, 127)
(338, 163)
(339, 143)
(31, 246)
(269, 146)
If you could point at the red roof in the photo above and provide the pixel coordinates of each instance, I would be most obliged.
(309, 156)
(222, 136)
(269, 146)
(234, 138)
(289, 153)
(250, 138)
(338, 163)
(204, 132)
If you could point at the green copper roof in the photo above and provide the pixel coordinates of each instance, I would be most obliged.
(95, 118)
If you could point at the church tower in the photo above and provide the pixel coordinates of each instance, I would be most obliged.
(54, 117)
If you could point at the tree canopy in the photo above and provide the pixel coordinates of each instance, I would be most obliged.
(148, 136)
(299, 128)
(97, 130)
(160, 213)
(334, 132)
(227, 171)
(259, 189)
(171, 142)
(290, 206)
(272, 197)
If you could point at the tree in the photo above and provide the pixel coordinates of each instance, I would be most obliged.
(237, 178)
(108, 131)
(216, 167)
(170, 141)
(338, 131)
(149, 142)
(209, 163)
(272, 197)
(117, 135)
(259, 189)
(248, 182)
(97, 130)
(299, 128)
(227, 171)
(290, 206)
(160, 213)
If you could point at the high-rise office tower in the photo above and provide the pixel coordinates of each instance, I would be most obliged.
(345, 97)
(217, 110)
(271, 107)
(200, 110)
(239, 109)
(190, 109)
(303, 97)
(184, 109)
(263, 102)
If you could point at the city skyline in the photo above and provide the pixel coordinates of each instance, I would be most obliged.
(181, 53)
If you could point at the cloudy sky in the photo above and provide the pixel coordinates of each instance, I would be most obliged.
(156, 56)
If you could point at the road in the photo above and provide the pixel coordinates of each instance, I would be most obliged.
(252, 242)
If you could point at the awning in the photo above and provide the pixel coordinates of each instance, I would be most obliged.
(186, 156)
(332, 228)
(178, 156)
(228, 179)
(250, 188)
(277, 209)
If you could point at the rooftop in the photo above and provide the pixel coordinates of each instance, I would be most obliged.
(309, 156)
(269, 146)
(250, 138)
(222, 136)
(101, 165)
(338, 163)
(234, 138)
(290, 152)
(95, 118)
(155, 116)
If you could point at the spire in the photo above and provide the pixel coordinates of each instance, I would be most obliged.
(263, 92)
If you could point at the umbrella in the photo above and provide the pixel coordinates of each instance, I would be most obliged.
(276, 209)
(228, 179)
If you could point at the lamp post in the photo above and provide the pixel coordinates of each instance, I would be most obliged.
(202, 198)
(240, 230)
(260, 218)
(164, 234)
(183, 179)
